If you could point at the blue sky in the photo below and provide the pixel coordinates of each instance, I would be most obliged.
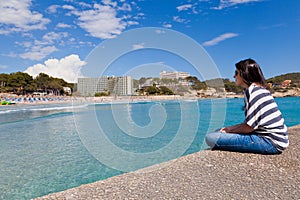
(56, 37)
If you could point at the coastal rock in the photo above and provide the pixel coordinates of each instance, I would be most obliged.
(288, 93)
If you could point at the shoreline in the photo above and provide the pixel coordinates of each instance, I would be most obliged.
(204, 175)
(27, 99)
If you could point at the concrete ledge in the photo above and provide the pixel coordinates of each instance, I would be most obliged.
(205, 175)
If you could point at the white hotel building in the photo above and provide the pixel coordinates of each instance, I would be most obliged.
(174, 75)
(115, 85)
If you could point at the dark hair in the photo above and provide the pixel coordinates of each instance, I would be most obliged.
(251, 72)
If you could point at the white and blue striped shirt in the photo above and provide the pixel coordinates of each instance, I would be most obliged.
(263, 115)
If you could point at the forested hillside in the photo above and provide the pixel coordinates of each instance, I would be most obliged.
(23, 83)
(294, 77)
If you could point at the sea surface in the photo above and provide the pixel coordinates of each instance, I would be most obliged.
(50, 148)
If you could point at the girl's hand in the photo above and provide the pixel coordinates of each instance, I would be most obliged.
(223, 130)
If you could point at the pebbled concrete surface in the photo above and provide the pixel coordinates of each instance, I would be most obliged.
(204, 175)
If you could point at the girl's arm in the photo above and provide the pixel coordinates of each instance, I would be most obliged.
(239, 128)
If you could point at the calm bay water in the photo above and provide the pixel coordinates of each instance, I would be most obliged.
(45, 148)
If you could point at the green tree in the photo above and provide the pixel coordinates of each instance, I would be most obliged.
(23, 83)
(135, 83)
(3, 82)
(142, 80)
(150, 90)
(42, 82)
(168, 81)
(165, 91)
(101, 94)
(19, 82)
(230, 86)
(294, 77)
(48, 84)
(195, 83)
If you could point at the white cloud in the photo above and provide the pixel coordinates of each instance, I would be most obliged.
(38, 52)
(11, 54)
(109, 3)
(52, 8)
(184, 7)
(63, 25)
(4, 32)
(229, 3)
(102, 21)
(129, 23)
(167, 25)
(67, 68)
(241, 1)
(40, 49)
(68, 7)
(273, 26)
(25, 44)
(138, 46)
(3, 66)
(190, 8)
(139, 16)
(220, 38)
(180, 20)
(16, 16)
(51, 37)
(82, 4)
(125, 7)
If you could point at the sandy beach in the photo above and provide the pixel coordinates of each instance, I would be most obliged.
(33, 99)
(204, 175)
(29, 99)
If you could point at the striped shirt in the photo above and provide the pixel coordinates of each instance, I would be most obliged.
(263, 115)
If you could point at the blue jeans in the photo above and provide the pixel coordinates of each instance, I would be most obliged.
(248, 143)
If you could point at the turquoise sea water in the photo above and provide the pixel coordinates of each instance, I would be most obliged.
(50, 148)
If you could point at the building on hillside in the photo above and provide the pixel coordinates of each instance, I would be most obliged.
(148, 82)
(67, 90)
(286, 83)
(174, 75)
(114, 85)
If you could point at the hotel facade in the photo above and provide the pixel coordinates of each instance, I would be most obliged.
(174, 75)
(120, 86)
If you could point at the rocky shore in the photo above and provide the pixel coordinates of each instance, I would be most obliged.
(288, 93)
(204, 175)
